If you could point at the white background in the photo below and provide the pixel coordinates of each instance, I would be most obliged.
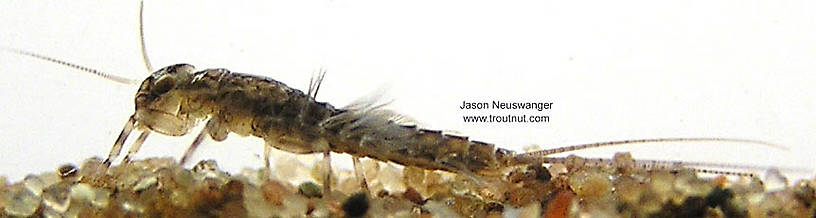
(622, 70)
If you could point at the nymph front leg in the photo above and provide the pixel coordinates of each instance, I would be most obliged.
(136, 146)
(117, 146)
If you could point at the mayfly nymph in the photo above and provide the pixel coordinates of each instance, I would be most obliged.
(174, 99)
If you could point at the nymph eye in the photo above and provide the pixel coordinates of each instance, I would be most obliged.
(164, 85)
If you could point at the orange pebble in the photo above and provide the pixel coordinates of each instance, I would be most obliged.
(558, 207)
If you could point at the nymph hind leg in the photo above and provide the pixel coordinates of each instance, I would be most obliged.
(326, 164)
(314, 87)
(327, 178)
(359, 173)
(267, 152)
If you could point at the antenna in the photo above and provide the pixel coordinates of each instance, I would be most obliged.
(96, 72)
(146, 60)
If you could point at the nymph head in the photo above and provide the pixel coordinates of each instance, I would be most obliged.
(159, 99)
